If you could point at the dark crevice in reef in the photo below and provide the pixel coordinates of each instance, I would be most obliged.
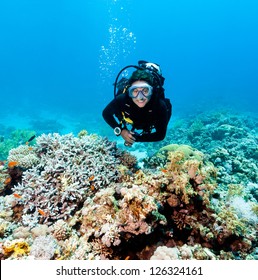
(139, 246)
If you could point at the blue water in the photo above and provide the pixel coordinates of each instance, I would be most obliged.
(59, 59)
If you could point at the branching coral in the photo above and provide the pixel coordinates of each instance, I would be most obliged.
(98, 217)
(128, 160)
(189, 177)
(24, 155)
(5, 180)
(69, 170)
(227, 224)
(60, 230)
(111, 219)
(138, 210)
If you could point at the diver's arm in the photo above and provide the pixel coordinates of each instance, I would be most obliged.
(109, 112)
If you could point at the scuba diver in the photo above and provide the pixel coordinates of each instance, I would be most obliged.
(139, 111)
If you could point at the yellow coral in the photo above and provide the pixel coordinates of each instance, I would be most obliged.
(16, 248)
(235, 190)
(82, 133)
(175, 161)
(255, 208)
(189, 176)
(122, 169)
(187, 151)
(230, 223)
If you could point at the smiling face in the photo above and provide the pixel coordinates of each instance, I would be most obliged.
(141, 99)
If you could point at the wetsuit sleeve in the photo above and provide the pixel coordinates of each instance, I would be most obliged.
(109, 113)
(160, 126)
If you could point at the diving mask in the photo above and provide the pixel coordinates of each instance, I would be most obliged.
(144, 88)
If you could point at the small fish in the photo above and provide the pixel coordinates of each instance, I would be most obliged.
(16, 195)
(92, 187)
(31, 138)
(7, 181)
(127, 258)
(41, 212)
(30, 148)
(12, 164)
(91, 178)
(163, 170)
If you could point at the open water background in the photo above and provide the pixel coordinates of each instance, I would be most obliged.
(59, 59)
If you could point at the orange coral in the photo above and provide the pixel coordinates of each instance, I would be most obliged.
(12, 164)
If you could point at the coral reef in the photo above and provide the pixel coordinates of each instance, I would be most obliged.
(76, 198)
(227, 139)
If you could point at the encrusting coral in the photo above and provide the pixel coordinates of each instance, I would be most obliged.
(44, 248)
(184, 252)
(15, 248)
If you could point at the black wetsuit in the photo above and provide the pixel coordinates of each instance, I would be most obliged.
(153, 115)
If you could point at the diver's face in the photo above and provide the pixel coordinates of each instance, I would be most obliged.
(141, 100)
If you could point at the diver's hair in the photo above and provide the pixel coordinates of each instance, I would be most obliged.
(141, 75)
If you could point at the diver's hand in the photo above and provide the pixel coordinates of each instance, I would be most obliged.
(128, 137)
